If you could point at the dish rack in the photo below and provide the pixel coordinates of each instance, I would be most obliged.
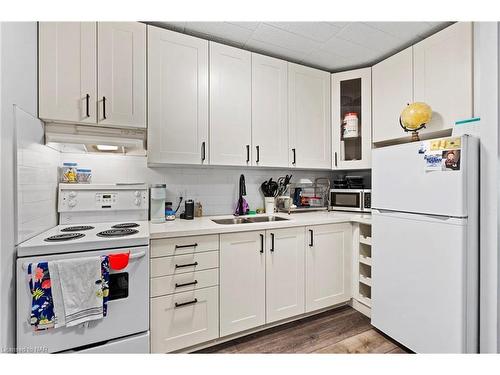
(309, 196)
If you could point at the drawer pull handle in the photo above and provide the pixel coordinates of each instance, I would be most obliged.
(311, 243)
(186, 303)
(272, 242)
(184, 246)
(186, 265)
(186, 284)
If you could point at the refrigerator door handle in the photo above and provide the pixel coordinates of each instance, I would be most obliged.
(405, 214)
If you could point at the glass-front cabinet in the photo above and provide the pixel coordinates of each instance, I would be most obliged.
(351, 119)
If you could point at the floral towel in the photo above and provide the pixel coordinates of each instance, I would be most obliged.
(105, 283)
(42, 307)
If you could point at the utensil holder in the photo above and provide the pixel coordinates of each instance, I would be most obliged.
(269, 204)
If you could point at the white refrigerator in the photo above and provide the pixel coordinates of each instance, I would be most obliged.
(425, 244)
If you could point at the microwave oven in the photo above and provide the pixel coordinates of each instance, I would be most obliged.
(350, 200)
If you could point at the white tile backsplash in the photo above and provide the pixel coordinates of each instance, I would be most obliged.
(36, 177)
(215, 187)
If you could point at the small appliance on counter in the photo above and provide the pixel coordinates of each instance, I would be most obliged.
(358, 200)
(158, 195)
(188, 213)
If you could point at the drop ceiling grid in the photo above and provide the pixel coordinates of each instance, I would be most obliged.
(331, 46)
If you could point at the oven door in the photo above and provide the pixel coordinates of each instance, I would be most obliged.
(128, 306)
(346, 200)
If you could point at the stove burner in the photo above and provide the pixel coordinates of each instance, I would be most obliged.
(77, 228)
(64, 237)
(125, 225)
(117, 232)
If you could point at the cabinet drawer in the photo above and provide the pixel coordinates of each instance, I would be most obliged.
(183, 245)
(184, 263)
(163, 285)
(184, 319)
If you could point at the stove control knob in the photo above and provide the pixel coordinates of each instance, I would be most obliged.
(137, 202)
(137, 194)
(72, 194)
(72, 203)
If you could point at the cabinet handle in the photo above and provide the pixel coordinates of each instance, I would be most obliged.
(248, 153)
(104, 107)
(294, 156)
(186, 284)
(261, 243)
(184, 246)
(258, 153)
(186, 303)
(186, 265)
(203, 151)
(272, 242)
(335, 158)
(311, 243)
(87, 101)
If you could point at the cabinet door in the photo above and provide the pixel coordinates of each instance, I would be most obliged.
(352, 119)
(443, 75)
(392, 90)
(122, 74)
(309, 117)
(269, 112)
(178, 98)
(242, 281)
(67, 82)
(328, 265)
(230, 105)
(284, 273)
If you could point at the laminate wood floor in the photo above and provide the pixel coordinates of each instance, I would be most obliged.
(343, 330)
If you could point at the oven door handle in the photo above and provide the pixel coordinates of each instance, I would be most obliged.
(137, 255)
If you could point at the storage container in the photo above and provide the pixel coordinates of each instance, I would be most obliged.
(84, 176)
(68, 173)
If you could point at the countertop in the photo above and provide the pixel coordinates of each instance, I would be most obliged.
(205, 225)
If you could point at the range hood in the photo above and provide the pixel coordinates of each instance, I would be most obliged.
(98, 138)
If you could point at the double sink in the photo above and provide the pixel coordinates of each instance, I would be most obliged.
(247, 220)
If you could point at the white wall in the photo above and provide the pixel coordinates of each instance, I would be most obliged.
(18, 56)
(215, 187)
(486, 106)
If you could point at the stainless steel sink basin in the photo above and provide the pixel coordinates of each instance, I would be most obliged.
(234, 220)
(256, 219)
(265, 219)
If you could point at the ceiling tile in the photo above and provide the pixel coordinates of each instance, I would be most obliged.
(402, 30)
(281, 38)
(349, 49)
(318, 31)
(222, 30)
(176, 26)
(369, 37)
(326, 60)
(272, 50)
(247, 25)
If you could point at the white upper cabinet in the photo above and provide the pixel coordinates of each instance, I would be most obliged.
(328, 265)
(443, 75)
(242, 281)
(178, 98)
(392, 88)
(309, 117)
(230, 105)
(285, 282)
(67, 71)
(269, 112)
(352, 119)
(122, 74)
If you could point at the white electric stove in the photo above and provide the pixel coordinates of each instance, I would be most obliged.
(94, 220)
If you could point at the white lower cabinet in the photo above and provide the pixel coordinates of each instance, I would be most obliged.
(184, 292)
(242, 281)
(184, 319)
(328, 265)
(284, 273)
